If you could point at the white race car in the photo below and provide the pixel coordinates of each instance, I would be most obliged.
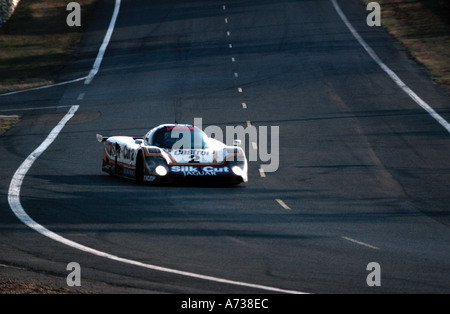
(173, 152)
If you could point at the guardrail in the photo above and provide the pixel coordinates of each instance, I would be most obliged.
(7, 8)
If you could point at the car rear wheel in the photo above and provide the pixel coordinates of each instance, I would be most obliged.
(140, 167)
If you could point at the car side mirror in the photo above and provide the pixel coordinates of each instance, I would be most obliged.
(138, 141)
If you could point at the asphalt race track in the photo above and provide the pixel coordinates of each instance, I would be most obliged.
(363, 175)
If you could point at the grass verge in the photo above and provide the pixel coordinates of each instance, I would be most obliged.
(7, 122)
(423, 27)
(37, 42)
(21, 287)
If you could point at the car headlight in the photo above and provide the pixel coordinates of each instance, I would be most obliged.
(237, 171)
(161, 171)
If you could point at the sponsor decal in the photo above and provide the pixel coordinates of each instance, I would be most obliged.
(180, 127)
(191, 155)
(199, 152)
(149, 178)
(128, 172)
(152, 150)
(123, 152)
(128, 153)
(199, 171)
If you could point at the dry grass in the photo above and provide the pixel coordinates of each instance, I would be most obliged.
(21, 287)
(7, 122)
(37, 42)
(423, 26)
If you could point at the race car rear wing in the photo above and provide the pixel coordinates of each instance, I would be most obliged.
(102, 138)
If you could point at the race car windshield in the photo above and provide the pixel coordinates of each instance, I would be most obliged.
(180, 138)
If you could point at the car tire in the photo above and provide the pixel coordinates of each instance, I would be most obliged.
(140, 167)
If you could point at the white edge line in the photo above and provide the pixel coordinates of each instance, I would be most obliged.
(389, 72)
(104, 45)
(18, 210)
(43, 87)
(35, 108)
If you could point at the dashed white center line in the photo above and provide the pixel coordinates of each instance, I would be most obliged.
(80, 96)
(262, 173)
(244, 106)
(283, 204)
(360, 243)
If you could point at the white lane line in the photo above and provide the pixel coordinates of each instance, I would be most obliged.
(104, 45)
(226, 20)
(262, 173)
(254, 146)
(236, 74)
(360, 243)
(249, 124)
(230, 46)
(224, 7)
(43, 87)
(233, 59)
(240, 90)
(16, 206)
(81, 96)
(389, 72)
(228, 33)
(34, 108)
(283, 204)
(244, 105)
